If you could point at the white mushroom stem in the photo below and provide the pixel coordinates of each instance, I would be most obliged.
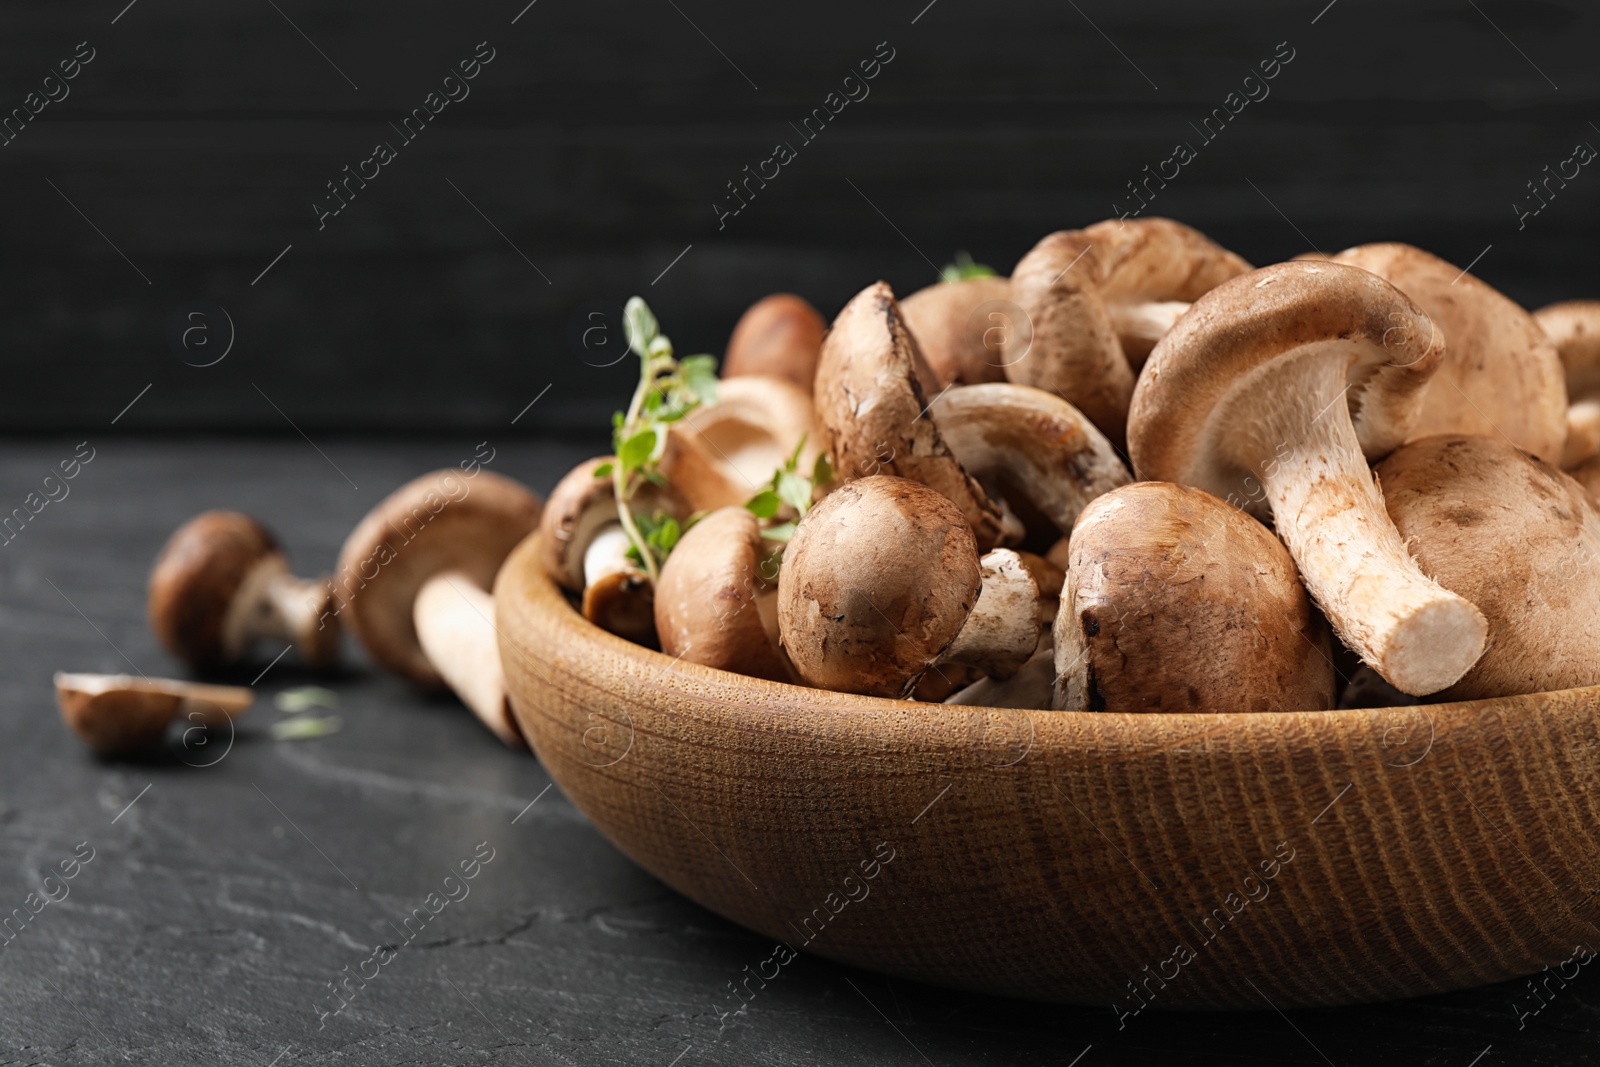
(1328, 509)
(454, 617)
(1140, 325)
(1583, 433)
(272, 602)
(607, 554)
(1003, 630)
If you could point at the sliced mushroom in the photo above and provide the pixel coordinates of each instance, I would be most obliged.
(714, 605)
(779, 336)
(1574, 328)
(1067, 286)
(584, 548)
(222, 583)
(1295, 375)
(418, 570)
(723, 453)
(882, 582)
(1501, 375)
(1029, 449)
(1517, 537)
(115, 714)
(872, 411)
(961, 327)
(1178, 602)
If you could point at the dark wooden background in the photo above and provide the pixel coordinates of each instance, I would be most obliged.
(600, 136)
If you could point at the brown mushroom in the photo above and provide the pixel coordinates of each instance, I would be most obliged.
(116, 714)
(882, 582)
(1274, 391)
(584, 548)
(723, 453)
(779, 336)
(222, 583)
(716, 604)
(417, 573)
(1178, 602)
(1093, 301)
(872, 411)
(1573, 326)
(1032, 452)
(961, 326)
(1501, 375)
(1517, 537)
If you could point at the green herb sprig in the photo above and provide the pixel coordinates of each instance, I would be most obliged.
(964, 268)
(791, 489)
(668, 389)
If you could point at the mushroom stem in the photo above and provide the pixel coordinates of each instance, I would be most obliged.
(275, 603)
(1583, 432)
(454, 617)
(1328, 509)
(1140, 325)
(1003, 629)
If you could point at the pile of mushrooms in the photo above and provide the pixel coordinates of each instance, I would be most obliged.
(1135, 475)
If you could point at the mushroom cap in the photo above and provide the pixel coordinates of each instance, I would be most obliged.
(1178, 602)
(707, 603)
(441, 521)
(1518, 538)
(580, 506)
(779, 336)
(1202, 393)
(1067, 286)
(1023, 443)
(873, 413)
(956, 333)
(738, 441)
(876, 583)
(1501, 375)
(196, 578)
(118, 713)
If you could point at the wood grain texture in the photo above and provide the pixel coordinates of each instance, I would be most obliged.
(1062, 856)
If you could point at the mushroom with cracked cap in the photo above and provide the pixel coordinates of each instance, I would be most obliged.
(1517, 537)
(1501, 376)
(1096, 300)
(116, 714)
(1297, 374)
(1573, 326)
(433, 547)
(715, 603)
(221, 583)
(779, 336)
(1178, 602)
(585, 549)
(985, 447)
(882, 582)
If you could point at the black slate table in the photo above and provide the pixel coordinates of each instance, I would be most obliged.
(231, 883)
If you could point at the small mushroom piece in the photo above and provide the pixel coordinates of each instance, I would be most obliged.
(221, 583)
(584, 548)
(714, 605)
(881, 582)
(115, 714)
(779, 336)
(961, 327)
(1092, 299)
(1029, 449)
(423, 562)
(1501, 375)
(1032, 688)
(1178, 602)
(723, 453)
(1573, 326)
(1517, 537)
(1274, 390)
(873, 414)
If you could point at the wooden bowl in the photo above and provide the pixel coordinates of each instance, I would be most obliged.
(1174, 861)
